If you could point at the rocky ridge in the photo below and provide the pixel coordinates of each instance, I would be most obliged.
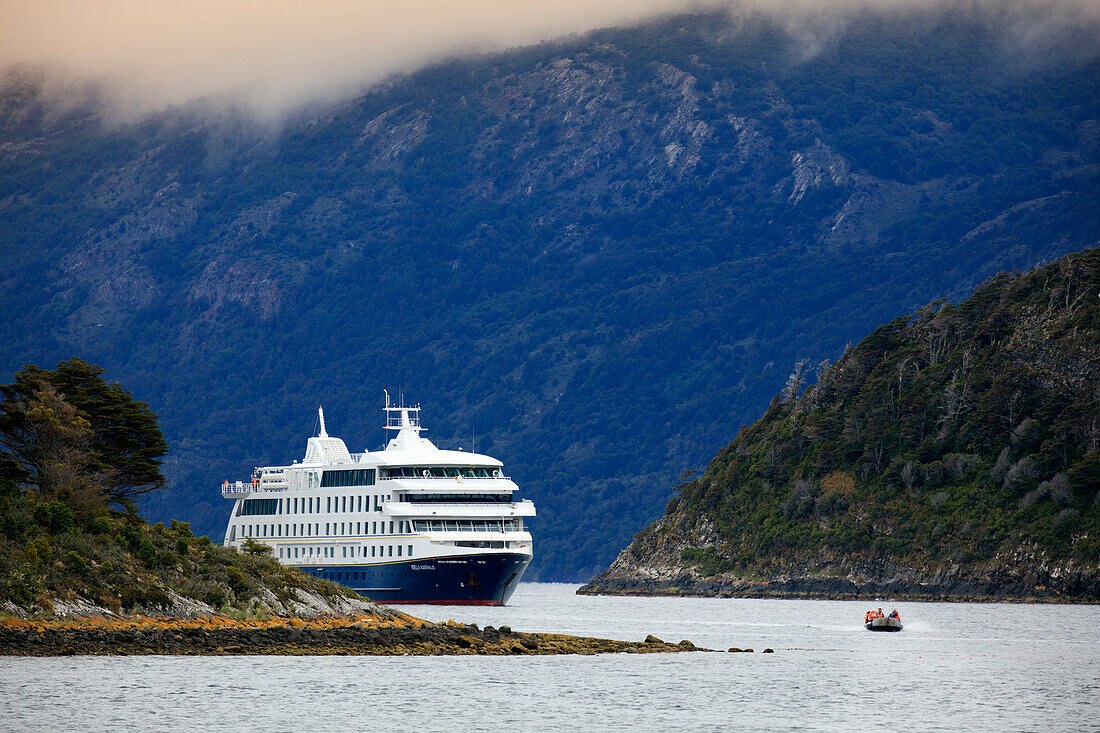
(951, 455)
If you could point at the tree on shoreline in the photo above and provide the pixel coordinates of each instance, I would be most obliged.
(67, 432)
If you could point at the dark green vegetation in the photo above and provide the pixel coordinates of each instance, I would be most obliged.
(959, 437)
(66, 432)
(51, 554)
(71, 448)
(600, 257)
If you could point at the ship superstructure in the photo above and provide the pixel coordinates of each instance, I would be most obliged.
(407, 524)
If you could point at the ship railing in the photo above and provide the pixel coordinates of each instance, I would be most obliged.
(481, 504)
(444, 478)
(433, 531)
(236, 488)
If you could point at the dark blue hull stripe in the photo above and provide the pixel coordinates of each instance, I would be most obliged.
(487, 579)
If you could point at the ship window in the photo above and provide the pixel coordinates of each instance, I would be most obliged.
(357, 526)
(391, 527)
(326, 527)
(450, 498)
(253, 507)
(328, 504)
(372, 550)
(399, 550)
(345, 552)
(410, 550)
(317, 528)
(360, 503)
(352, 477)
(391, 550)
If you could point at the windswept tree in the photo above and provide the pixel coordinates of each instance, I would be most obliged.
(796, 381)
(45, 440)
(121, 446)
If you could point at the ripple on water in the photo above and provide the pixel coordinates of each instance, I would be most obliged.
(955, 666)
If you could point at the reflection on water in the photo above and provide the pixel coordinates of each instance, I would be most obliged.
(955, 666)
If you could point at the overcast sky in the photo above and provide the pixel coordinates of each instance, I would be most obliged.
(269, 55)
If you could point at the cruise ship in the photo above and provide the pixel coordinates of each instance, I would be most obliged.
(407, 524)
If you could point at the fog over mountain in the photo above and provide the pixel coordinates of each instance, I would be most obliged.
(594, 258)
(269, 57)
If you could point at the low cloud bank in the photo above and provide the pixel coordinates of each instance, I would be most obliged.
(270, 56)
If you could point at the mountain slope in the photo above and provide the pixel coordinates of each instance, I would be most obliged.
(954, 452)
(596, 258)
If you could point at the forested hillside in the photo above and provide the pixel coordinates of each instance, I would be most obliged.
(75, 452)
(597, 258)
(953, 452)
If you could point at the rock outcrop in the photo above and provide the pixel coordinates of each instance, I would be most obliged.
(388, 634)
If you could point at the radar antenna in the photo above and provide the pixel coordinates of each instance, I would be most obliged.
(401, 416)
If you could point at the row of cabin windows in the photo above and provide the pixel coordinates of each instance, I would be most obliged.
(467, 525)
(441, 472)
(457, 498)
(352, 477)
(292, 553)
(310, 505)
(307, 529)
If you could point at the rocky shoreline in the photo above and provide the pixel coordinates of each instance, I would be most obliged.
(939, 588)
(355, 635)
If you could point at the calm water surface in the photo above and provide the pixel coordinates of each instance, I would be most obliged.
(954, 667)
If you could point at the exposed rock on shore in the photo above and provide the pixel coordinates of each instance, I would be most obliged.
(1022, 584)
(393, 635)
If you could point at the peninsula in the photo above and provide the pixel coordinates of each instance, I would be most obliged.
(953, 454)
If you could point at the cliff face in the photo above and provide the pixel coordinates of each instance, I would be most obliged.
(952, 454)
(574, 253)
